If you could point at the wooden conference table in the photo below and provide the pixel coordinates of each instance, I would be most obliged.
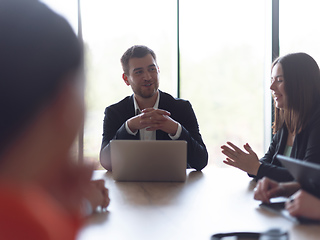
(212, 201)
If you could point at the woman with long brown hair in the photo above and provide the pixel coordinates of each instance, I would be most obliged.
(295, 87)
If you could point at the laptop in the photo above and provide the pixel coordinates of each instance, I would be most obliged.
(307, 175)
(148, 161)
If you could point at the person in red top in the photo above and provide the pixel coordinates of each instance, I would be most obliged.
(43, 191)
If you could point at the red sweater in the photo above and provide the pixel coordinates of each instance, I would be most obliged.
(30, 213)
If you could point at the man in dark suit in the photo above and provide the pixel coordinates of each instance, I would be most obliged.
(150, 114)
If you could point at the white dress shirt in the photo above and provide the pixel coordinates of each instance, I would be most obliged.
(150, 135)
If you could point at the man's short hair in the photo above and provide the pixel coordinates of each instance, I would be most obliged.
(136, 51)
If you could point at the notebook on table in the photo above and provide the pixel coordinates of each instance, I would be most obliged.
(148, 161)
(307, 175)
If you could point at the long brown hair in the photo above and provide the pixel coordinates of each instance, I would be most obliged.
(302, 87)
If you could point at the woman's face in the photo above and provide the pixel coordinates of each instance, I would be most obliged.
(277, 86)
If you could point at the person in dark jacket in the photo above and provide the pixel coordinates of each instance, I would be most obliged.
(295, 87)
(150, 114)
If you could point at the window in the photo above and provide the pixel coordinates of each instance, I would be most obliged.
(298, 27)
(109, 29)
(222, 59)
(222, 70)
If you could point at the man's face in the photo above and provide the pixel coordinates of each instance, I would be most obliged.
(143, 76)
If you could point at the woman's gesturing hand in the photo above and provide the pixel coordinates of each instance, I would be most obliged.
(246, 161)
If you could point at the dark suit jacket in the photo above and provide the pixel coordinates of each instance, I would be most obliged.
(181, 111)
(306, 147)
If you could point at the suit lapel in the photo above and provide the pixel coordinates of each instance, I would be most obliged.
(161, 135)
(130, 110)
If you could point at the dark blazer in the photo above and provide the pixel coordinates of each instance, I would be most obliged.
(181, 111)
(306, 147)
